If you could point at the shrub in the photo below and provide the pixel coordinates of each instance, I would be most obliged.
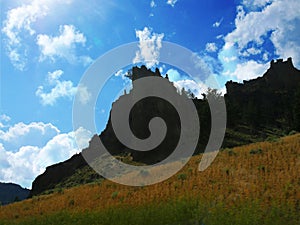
(182, 176)
(71, 202)
(255, 151)
(114, 195)
(292, 132)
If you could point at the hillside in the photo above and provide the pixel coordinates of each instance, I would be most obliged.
(10, 192)
(249, 120)
(253, 184)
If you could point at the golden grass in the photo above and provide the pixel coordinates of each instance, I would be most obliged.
(236, 176)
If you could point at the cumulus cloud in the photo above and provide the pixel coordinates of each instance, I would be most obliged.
(22, 163)
(172, 2)
(149, 45)
(211, 47)
(256, 25)
(19, 21)
(63, 46)
(280, 19)
(249, 70)
(61, 89)
(18, 135)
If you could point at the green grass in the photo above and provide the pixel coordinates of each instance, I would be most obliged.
(180, 212)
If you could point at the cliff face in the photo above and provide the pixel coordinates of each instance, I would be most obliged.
(12, 192)
(56, 173)
(253, 108)
(269, 100)
(282, 75)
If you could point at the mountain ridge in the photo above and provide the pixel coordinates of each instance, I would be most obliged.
(249, 119)
(10, 192)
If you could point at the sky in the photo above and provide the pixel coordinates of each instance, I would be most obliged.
(47, 45)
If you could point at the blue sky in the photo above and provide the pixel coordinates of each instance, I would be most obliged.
(47, 45)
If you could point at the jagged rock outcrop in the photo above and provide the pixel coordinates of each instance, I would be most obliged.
(253, 109)
(265, 101)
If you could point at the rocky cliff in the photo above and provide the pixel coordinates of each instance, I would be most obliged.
(256, 109)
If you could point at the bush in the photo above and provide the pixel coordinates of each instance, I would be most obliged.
(182, 176)
(71, 202)
(292, 132)
(114, 195)
(255, 151)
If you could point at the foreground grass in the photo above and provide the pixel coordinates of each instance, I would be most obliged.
(179, 212)
(252, 184)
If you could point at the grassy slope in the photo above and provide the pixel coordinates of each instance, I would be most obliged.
(253, 184)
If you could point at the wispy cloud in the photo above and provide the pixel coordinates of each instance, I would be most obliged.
(152, 4)
(61, 89)
(172, 2)
(150, 44)
(218, 23)
(4, 118)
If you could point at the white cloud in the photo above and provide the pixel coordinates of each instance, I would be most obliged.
(152, 4)
(174, 75)
(211, 47)
(54, 76)
(61, 89)
(265, 56)
(150, 45)
(121, 73)
(256, 4)
(172, 2)
(196, 88)
(202, 67)
(63, 46)
(249, 70)
(83, 94)
(229, 59)
(19, 134)
(251, 51)
(218, 23)
(279, 18)
(19, 20)
(22, 163)
(5, 118)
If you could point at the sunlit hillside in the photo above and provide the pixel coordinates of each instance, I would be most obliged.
(258, 182)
